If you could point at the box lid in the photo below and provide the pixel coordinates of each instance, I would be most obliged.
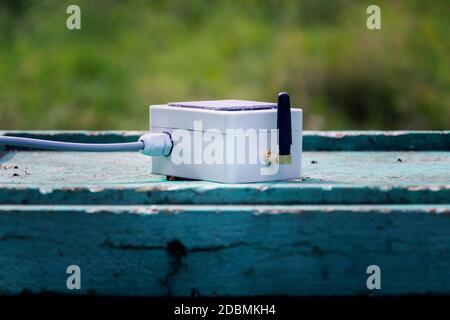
(220, 115)
(225, 105)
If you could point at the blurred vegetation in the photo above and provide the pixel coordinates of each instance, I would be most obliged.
(130, 54)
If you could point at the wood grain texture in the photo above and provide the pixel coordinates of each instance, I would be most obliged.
(160, 250)
(364, 198)
(124, 178)
(312, 140)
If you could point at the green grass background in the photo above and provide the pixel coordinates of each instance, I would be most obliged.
(130, 54)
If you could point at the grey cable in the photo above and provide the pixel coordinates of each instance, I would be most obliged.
(70, 146)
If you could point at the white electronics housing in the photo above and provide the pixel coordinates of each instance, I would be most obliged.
(228, 141)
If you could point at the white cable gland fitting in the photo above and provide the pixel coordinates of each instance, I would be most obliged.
(156, 144)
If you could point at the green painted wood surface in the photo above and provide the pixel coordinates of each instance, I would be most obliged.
(312, 140)
(365, 198)
(231, 250)
(124, 178)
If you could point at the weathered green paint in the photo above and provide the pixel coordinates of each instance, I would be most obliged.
(377, 141)
(124, 178)
(178, 250)
(312, 140)
(133, 233)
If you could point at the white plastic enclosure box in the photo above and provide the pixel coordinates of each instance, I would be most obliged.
(228, 141)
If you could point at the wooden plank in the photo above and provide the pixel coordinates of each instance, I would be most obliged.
(124, 178)
(364, 199)
(312, 140)
(225, 250)
(377, 141)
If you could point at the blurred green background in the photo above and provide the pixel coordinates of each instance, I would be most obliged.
(130, 54)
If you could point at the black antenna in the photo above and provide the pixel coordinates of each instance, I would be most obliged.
(284, 124)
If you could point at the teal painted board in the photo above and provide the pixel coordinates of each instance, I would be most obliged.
(364, 198)
(225, 250)
(312, 140)
(125, 178)
(376, 141)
